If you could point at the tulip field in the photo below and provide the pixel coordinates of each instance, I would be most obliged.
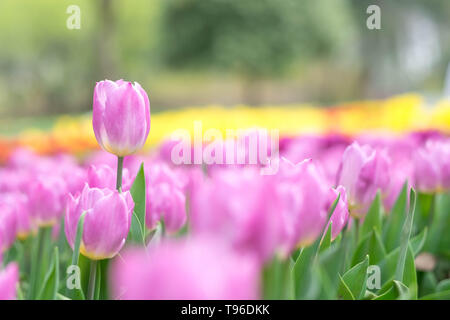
(355, 206)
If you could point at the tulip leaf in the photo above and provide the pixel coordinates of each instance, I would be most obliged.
(331, 262)
(51, 280)
(371, 245)
(77, 293)
(276, 279)
(326, 240)
(444, 285)
(394, 290)
(79, 234)
(355, 280)
(302, 271)
(373, 218)
(406, 233)
(395, 218)
(418, 241)
(441, 295)
(138, 192)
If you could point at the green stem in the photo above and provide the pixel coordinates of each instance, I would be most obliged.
(92, 281)
(119, 174)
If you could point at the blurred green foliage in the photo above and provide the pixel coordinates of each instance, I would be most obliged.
(200, 52)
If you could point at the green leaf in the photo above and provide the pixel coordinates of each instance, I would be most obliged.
(444, 285)
(373, 218)
(428, 284)
(330, 263)
(371, 245)
(137, 232)
(344, 290)
(276, 279)
(355, 280)
(326, 240)
(301, 272)
(441, 295)
(79, 234)
(394, 221)
(98, 280)
(51, 282)
(406, 232)
(418, 241)
(393, 290)
(61, 297)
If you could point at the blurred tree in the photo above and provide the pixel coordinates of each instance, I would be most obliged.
(252, 38)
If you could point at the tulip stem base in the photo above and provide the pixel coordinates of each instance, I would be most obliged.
(119, 174)
(92, 280)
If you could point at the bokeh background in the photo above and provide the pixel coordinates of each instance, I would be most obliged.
(221, 52)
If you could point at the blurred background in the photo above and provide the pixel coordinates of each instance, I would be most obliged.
(225, 52)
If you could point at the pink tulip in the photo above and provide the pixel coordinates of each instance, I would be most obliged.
(362, 172)
(19, 204)
(340, 215)
(121, 116)
(9, 279)
(432, 166)
(241, 206)
(47, 196)
(197, 268)
(305, 197)
(106, 224)
(8, 226)
(103, 176)
(165, 197)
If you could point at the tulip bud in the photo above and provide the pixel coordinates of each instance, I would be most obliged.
(121, 116)
(106, 224)
(197, 269)
(362, 172)
(9, 278)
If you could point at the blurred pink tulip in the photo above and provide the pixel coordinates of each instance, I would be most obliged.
(121, 116)
(103, 176)
(305, 194)
(196, 268)
(8, 226)
(340, 215)
(165, 197)
(432, 166)
(107, 221)
(241, 206)
(47, 196)
(9, 279)
(362, 172)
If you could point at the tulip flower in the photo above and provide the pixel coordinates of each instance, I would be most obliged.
(9, 278)
(198, 268)
(103, 176)
(432, 166)
(47, 196)
(106, 224)
(8, 226)
(165, 198)
(19, 204)
(241, 206)
(305, 202)
(362, 172)
(121, 116)
(340, 215)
